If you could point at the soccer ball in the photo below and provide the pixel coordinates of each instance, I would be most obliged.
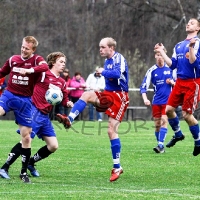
(53, 96)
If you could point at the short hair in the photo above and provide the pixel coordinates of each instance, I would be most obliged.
(198, 20)
(77, 73)
(31, 39)
(110, 42)
(52, 57)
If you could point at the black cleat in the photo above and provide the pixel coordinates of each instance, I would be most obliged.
(158, 149)
(196, 151)
(173, 141)
(24, 177)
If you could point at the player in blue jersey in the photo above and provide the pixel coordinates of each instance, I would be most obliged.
(186, 59)
(160, 75)
(113, 100)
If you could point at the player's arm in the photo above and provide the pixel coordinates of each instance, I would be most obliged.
(5, 70)
(65, 102)
(41, 67)
(145, 99)
(192, 56)
(159, 47)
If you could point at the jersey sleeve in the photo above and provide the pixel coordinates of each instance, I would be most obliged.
(41, 65)
(146, 82)
(5, 70)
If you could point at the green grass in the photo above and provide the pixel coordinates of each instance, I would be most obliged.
(80, 169)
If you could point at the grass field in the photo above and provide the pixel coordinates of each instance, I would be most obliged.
(80, 169)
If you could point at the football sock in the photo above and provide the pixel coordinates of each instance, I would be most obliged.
(115, 149)
(12, 156)
(157, 135)
(195, 133)
(26, 154)
(42, 153)
(162, 135)
(174, 123)
(78, 107)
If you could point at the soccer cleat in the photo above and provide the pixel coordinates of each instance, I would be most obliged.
(196, 151)
(33, 171)
(24, 177)
(4, 174)
(173, 141)
(115, 173)
(64, 120)
(159, 149)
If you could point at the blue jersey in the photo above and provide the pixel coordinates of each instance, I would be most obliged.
(116, 73)
(158, 76)
(180, 60)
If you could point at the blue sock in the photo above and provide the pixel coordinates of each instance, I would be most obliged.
(174, 123)
(157, 135)
(115, 149)
(195, 133)
(78, 107)
(162, 135)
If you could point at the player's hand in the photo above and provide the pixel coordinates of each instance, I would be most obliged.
(23, 71)
(70, 104)
(147, 102)
(192, 42)
(158, 47)
(99, 70)
(170, 81)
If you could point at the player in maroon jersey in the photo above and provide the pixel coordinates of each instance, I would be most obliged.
(17, 97)
(42, 126)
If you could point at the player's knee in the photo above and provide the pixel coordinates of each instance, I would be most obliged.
(2, 111)
(52, 147)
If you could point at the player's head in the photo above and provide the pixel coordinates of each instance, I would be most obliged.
(159, 59)
(107, 47)
(56, 61)
(29, 45)
(193, 25)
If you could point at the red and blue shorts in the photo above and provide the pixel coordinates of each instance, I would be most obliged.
(114, 104)
(186, 94)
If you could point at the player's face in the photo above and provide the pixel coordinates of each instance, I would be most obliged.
(59, 65)
(27, 49)
(159, 59)
(104, 49)
(192, 26)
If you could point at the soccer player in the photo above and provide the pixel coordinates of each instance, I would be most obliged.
(113, 100)
(160, 76)
(42, 126)
(185, 58)
(22, 69)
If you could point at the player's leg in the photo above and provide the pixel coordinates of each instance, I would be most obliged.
(25, 151)
(79, 106)
(115, 148)
(12, 156)
(44, 130)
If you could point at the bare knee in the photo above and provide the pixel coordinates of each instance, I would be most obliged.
(2, 111)
(52, 147)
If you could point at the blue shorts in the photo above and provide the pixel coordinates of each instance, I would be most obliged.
(41, 124)
(20, 105)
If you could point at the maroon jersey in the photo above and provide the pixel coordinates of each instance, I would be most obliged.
(42, 85)
(22, 84)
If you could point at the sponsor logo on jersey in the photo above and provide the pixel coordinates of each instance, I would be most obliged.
(166, 72)
(27, 64)
(20, 80)
(187, 55)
